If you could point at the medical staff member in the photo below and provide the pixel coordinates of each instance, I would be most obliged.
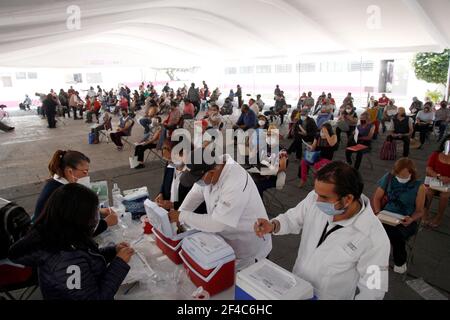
(343, 245)
(233, 206)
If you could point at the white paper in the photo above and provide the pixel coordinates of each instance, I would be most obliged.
(272, 279)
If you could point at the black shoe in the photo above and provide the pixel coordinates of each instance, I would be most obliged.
(140, 166)
(10, 129)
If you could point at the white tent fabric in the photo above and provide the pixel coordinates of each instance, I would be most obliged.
(179, 33)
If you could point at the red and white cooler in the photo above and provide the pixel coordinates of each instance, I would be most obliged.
(171, 246)
(209, 261)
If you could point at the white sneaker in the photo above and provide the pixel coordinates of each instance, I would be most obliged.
(402, 269)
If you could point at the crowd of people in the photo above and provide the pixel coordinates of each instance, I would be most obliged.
(226, 197)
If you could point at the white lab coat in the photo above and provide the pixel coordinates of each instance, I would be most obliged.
(340, 264)
(233, 205)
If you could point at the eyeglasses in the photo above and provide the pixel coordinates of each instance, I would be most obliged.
(85, 171)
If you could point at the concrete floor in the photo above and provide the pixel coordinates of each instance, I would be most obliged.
(24, 155)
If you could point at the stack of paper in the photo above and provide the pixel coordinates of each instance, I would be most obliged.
(390, 218)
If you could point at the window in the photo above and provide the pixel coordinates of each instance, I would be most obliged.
(77, 78)
(7, 81)
(230, 70)
(21, 75)
(94, 77)
(264, 69)
(283, 68)
(32, 75)
(360, 66)
(306, 67)
(246, 69)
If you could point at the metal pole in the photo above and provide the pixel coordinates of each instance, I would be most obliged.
(447, 94)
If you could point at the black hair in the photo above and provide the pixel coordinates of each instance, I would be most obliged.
(329, 128)
(62, 159)
(173, 103)
(346, 179)
(69, 218)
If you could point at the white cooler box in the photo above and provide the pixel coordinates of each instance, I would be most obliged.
(209, 261)
(265, 280)
(166, 238)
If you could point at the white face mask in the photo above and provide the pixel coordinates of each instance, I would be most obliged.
(303, 118)
(403, 181)
(348, 110)
(261, 123)
(85, 181)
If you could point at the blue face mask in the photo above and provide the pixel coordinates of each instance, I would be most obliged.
(329, 209)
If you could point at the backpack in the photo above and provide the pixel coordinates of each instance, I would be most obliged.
(14, 224)
(388, 150)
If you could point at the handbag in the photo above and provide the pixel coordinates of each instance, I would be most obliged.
(384, 201)
(312, 156)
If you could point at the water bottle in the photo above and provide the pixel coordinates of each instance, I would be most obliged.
(117, 196)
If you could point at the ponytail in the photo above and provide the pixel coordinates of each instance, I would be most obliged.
(55, 167)
(63, 159)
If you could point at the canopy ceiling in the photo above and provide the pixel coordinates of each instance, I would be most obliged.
(178, 33)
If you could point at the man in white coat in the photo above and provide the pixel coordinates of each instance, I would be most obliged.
(343, 246)
(233, 207)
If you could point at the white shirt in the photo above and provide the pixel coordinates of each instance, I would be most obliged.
(255, 108)
(343, 261)
(175, 185)
(233, 205)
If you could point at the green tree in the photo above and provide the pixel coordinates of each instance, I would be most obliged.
(432, 67)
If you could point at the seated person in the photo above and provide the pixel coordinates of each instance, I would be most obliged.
(214, 118)
(247, 120)
(172, 194)
(389, 113)
(170, 124)
(442, 118)
(227, 108)
(347, 122)
(259, 102)
(65, 239)
(124, 129)
(270, 150)
(325, 114)
(94, 110)
(424, 123)
(150, 111)
(403, 129)
(406, 196)
(149, 143)
(326, 144)
(70, 167)
(253, 106)
(366, 131)
(438, 167)
(305, 129)
(104, 123)
(26, 104)
(188, 110)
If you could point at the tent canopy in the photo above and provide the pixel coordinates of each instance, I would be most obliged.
(181, 33)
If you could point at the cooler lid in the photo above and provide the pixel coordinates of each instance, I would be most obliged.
(266, 280)
(208, 249)
(159, 218)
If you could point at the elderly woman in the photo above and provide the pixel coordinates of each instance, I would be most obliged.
(405, 197)
(439, 167)
(366, 131)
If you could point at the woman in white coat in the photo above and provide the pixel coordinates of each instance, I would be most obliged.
(343, 245)
(233, 206)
